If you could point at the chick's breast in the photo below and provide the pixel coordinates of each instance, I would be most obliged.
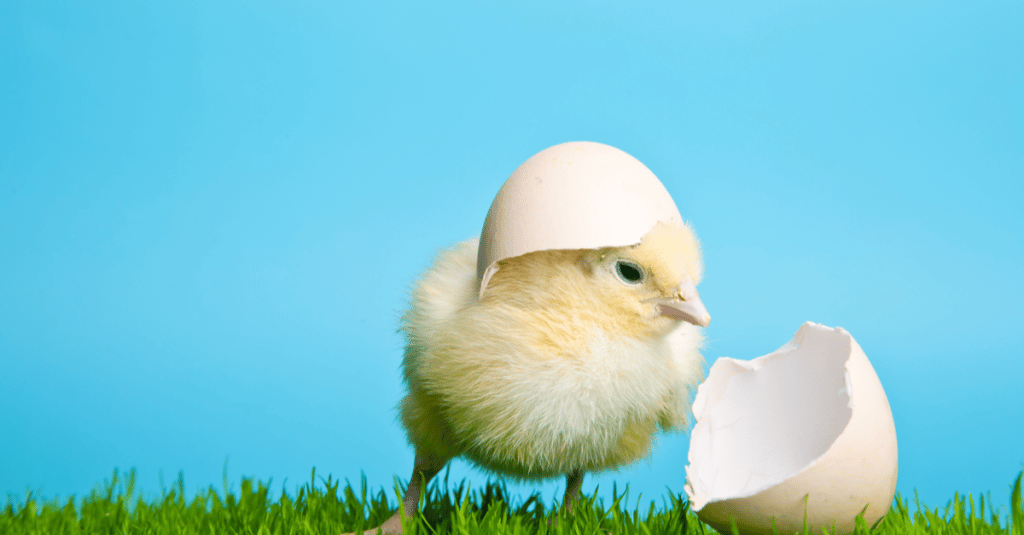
(534, 380)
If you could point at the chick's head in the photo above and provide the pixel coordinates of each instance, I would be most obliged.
(640, 291)
(653, 282)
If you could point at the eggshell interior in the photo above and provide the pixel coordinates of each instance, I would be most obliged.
(806, 428)
(576, 195)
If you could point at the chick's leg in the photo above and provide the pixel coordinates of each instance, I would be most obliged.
(425, 467)
(573, 481)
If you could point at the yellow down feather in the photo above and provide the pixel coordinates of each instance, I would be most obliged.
(559, 366)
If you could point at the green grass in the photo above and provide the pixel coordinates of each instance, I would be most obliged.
(330, 508)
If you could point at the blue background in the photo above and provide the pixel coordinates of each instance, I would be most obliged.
(211, 213)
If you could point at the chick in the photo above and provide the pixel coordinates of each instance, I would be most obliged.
(567, 362)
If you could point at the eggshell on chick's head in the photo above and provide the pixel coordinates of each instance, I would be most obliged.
(806, 428)
(577, 195)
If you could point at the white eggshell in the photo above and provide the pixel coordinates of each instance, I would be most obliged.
(806, 428)
(577, 195)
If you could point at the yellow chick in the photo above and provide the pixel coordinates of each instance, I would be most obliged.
(567, 362)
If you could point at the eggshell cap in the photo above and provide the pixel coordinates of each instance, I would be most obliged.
(806, 428)
(577, 195)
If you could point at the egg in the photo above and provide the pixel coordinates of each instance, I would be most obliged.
(804, 430)
(576, 195)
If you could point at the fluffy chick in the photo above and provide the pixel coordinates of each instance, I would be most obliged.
(568, 362)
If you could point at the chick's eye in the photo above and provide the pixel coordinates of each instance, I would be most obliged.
(629, 272)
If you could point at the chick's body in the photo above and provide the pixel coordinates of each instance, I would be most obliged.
(562, 365)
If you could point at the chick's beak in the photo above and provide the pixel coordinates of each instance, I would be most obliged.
(685, 306)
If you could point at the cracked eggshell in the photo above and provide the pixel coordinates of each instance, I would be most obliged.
(577, 195)
(807, 427)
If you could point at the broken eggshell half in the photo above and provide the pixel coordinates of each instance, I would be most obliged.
(576, 195)
(804, 430)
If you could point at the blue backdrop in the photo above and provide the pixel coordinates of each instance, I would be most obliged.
(211, 213)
